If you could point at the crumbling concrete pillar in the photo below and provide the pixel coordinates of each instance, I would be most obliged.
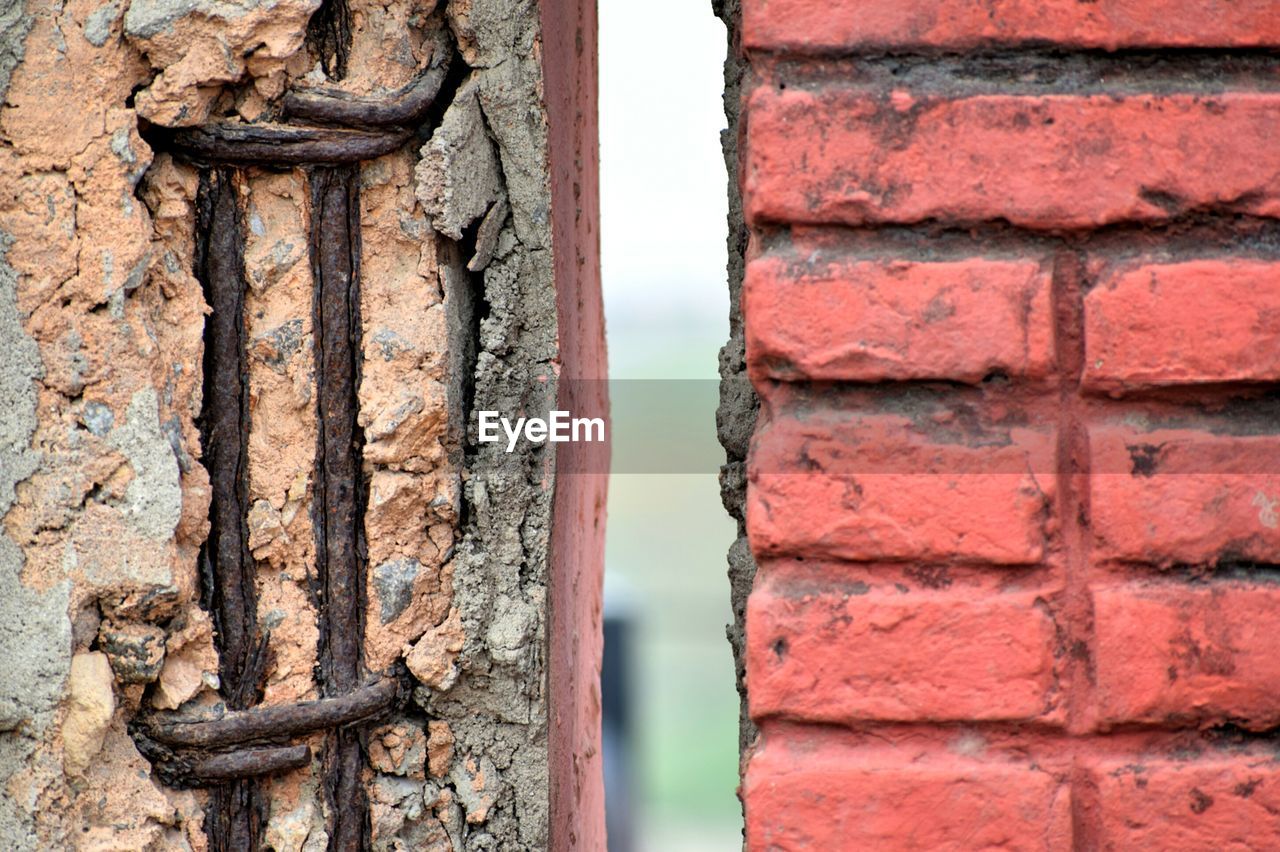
(261, 586)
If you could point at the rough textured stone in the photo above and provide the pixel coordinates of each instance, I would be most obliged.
(432, 659)
(90, 705)
(135, 651)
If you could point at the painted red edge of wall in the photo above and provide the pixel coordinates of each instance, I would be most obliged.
(578, 512)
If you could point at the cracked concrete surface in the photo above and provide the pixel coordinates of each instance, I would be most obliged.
(490, 157)
(103, 499)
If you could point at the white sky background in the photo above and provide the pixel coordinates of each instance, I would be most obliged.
(662, 175)
(663, 206)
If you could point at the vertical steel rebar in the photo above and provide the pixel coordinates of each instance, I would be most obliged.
(235, 809)
(340, 494)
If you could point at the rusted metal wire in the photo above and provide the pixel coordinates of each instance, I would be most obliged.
(229, 143)
(405, 107)
(278, 721)
(220, 768)
(200, 769)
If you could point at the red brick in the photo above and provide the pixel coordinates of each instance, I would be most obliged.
(1202, 321)
(833, 656)
(1210, 804)
(805, 25)
(885, 488)
(812, 793)
(838, 155)
(1176, 653)
(1183, 496)
(871, 320)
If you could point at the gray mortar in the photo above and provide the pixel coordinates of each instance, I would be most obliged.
(97, 29)
(35, 637)
(490, 151)
(490, 32)
(739, 405)
(146, 18)
(15, 23)
(35, 631)
(153, 500)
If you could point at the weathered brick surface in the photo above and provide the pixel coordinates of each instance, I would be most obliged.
(1011, 308)
(1197, 322)
(841, 155)
(806, 26)
(811, 793)
(883, 488)
(1184, 496)
(843, 656)
(1169, 653)
(1222, 802)
(873, 320)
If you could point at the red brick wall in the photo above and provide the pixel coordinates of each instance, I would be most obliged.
(1012, 307)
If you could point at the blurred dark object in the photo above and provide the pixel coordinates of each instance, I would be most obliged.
(618, 733)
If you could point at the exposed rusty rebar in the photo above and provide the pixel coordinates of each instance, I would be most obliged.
(405, 107)
(338, 510)
(278, 721)
(229, 751)
(203, 769)
(229, 143)
(220, 768)
(227, 566)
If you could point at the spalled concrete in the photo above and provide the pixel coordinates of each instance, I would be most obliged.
(490, 151)
(103, 495)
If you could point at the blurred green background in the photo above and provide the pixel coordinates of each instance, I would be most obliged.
(666, 304)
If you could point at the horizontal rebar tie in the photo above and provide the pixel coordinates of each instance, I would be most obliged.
(277, 721)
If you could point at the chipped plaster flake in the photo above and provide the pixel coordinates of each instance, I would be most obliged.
(459, 176)
(196, 45)
(153, 500)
